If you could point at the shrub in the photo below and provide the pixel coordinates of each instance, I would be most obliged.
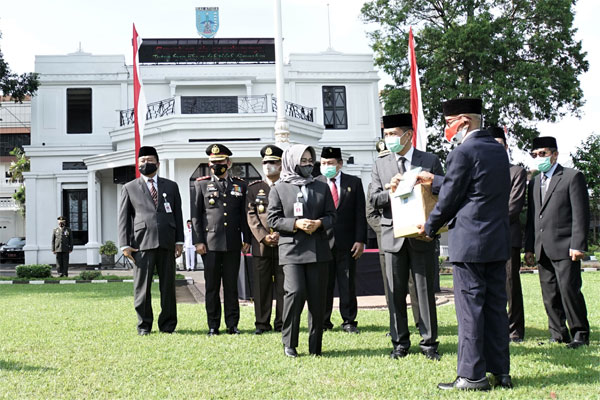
(34, 271)
(597, 255)
(90, 275)
(108, 249)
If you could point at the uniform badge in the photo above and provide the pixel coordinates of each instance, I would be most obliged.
(237, 190)
(215, 149)
(349, 189)
(261, 209)
(268, 151)
(211, 201)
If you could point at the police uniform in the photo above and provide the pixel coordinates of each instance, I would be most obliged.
(62, 245)
(267, 273)
(219, 221)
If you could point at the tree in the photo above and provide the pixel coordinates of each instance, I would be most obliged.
(16, 169)
(17, 87)
(519, 56)
(587, 160)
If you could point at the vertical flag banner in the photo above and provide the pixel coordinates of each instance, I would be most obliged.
(139, 100)
(416, 106)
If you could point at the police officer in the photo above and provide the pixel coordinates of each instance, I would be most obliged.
(219, 221)
(268, 274)
(62, 246)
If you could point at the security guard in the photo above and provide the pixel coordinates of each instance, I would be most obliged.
(218, 222)
(62, 246)
(267, 272)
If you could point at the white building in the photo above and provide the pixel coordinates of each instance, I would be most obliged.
(82, 140)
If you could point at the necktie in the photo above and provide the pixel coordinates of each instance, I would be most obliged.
(334, 193)
(401, 165)
(544, 185)
(153, 192)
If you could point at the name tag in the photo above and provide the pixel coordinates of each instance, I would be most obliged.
(166, 204)
(298, 209)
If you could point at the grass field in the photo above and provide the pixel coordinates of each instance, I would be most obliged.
(80, 342)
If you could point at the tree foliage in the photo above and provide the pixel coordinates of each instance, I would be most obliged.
(519, 56)
(16, 86)
(17, 167)
(587, 160)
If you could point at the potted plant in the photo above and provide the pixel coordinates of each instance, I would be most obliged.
(108, 251)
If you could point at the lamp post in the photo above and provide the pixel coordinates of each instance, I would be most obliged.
(282, 128)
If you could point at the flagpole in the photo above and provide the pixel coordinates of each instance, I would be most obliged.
(282, 129)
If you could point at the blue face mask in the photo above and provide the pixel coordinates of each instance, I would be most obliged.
(329, 171)
(393, 144)
(544, 164)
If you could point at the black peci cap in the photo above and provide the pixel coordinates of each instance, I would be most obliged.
(397, 121)
(461, 106)
(544, 141)
(217, 152)
(147, 151)
(496, 132)
(271, 153)
(331, 152)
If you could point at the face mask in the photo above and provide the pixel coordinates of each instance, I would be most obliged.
(544, 164)
(329, 171)
(304, 170)
(147, 169)
(393, 144)
(62, 224)
(271, 169)
(218, 169)
(453, 134)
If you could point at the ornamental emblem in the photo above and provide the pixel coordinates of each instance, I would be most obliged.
(215, 149)
(268, 151)
(381, 146)
(207, 21)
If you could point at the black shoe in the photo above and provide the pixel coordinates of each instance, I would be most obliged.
(399, 352)
(555, 340)
(327, 328)
(388, 334)
(143, 333)
(576, 344)
(515, 340)
(466, 384)
(233, 330)
(290, 352)
(213, 332)
(350, 329)
(167, 332)
(432, 354)
(503, 380)
(260, 331)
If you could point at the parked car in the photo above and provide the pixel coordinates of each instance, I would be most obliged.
(12, 251)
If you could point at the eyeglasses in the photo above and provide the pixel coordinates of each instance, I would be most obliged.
(541, 153)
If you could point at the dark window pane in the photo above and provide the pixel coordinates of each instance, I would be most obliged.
(79, 110)
(75, 209)
(335, 115)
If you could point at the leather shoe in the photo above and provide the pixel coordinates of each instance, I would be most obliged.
(143, 333)
(351, 329)
(461, 383)
(399, 352)
(233, 330)
(213, 332)
(516, 340)
(260, 331)
(503, 380)
(290, 352)
(432, 354)
(576, 343)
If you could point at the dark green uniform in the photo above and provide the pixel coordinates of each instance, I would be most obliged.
(62, 245)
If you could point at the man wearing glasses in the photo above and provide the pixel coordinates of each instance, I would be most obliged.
(558, 218)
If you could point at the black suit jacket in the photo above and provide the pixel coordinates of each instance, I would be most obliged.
(474, 201)
(351, 223)
(518, 183)
(144, 226)
(562, 221)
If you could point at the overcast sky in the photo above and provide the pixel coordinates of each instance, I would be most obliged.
(42, 27)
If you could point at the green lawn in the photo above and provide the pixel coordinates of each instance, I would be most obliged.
(79, 341)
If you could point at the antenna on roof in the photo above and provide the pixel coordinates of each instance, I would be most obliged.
(329, 28)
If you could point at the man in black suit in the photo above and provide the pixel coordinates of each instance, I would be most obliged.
(406, 256)
(219, 221)
(151, 235)
(62, 246)
(473, 201)
(518, 183)
(267, 273)
(558, 219)
(347, 238)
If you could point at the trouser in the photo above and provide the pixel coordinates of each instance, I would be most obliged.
(398, 267)
(480, 302)
(222, 266)
(304, 282)
(268, 278)
(164, 262)
(561, 291)
(342, 268)
(516, 314)
(190, 257)
(62, 263)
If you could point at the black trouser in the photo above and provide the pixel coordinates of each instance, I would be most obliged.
(225, 266)
(268, 278)
(342, 268)
(398, 267)
(304, 282)
(516, 314)
(563, 300)
(164, 262)
(62, 263)
(480, 302)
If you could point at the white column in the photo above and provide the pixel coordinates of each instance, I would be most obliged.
(92, 246)
(282, 128)
(31, 221)
(172, 169)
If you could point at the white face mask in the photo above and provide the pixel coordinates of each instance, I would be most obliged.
(271, 169)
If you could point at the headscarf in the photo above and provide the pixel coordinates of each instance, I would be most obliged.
(290, 160)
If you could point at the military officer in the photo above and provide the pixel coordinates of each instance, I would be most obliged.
(219, 222)
(62, 246)
(268, 274)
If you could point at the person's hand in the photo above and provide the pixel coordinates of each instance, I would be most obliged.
(576, 255)
(178, 250)
(53, 252)
(530, 258)
(357, 250)
(275, 238)
(313, 225)
(127, 252)
(425, 177)
(395, 182)
(201, 249)
(245, 247)
(307, 225)
(422, 235)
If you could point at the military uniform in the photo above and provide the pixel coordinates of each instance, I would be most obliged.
(62, 245)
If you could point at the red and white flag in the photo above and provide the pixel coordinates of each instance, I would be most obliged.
(139, 100)
(416, 106)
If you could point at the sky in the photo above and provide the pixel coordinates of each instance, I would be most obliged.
(42, 27)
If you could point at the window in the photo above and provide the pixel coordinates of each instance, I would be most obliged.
(334, 107)
(11, 140)
(79, 110)
(73, 165)
(75, 210)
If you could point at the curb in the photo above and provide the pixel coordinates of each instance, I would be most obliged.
(178, 282)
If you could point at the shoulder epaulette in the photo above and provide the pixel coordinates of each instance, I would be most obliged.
(383, 153)
(254, 182)
(202, 178)
(238, 178)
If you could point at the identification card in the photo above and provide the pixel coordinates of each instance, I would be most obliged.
(298, 210)
(168, 207)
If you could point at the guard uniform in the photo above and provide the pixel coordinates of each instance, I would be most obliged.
(62, 245)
